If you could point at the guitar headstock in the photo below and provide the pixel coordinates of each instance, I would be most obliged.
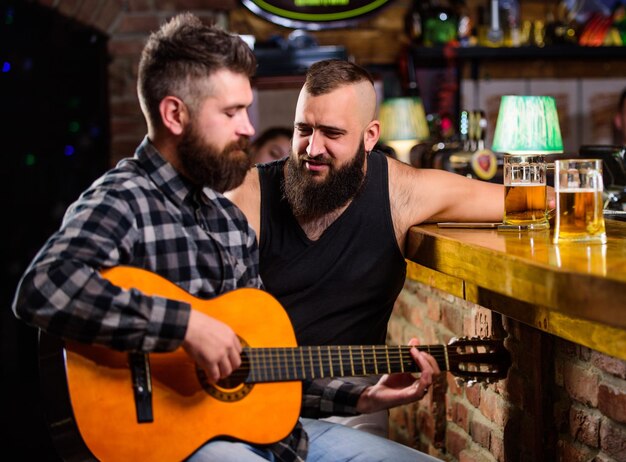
(478, 359)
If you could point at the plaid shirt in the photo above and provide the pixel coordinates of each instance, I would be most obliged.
(143, 214)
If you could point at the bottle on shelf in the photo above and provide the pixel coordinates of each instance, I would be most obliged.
(472, 159)
(510, 11)
(494, 36)
(413, 22)
(465, 25)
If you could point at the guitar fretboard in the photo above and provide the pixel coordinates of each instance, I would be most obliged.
(314, 362)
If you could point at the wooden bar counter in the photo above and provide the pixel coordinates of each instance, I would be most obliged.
(561, 311)
(574, 291)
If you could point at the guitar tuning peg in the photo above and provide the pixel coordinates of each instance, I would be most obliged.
(471, 382)
(460, 381)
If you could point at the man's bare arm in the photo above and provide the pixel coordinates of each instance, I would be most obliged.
(248, 198)
(431, 195)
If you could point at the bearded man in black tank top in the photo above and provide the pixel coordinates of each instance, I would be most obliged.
(332, 218)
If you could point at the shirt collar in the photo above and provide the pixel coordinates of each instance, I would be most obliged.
(162, 173)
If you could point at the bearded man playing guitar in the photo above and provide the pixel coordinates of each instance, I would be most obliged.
(122, 282)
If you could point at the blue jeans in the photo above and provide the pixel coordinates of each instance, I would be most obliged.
(328, 442)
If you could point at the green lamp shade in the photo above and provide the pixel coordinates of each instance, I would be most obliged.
(403, 119)
(527, 125)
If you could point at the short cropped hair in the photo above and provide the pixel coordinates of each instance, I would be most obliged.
(325, 76)
(178, 58)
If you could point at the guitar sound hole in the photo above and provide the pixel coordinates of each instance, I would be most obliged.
(238, 377)
(233, 387)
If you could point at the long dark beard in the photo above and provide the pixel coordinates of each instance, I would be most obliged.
(310, 199)
(205, 165)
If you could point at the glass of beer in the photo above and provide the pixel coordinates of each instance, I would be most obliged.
(525, 201)
(579, 208)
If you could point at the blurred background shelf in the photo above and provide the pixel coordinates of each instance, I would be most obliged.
(522, 52)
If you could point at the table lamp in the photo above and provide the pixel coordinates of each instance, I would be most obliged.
(527, 129)
(403, 125)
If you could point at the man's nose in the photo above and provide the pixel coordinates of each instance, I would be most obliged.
(246, 128)
(315, 145)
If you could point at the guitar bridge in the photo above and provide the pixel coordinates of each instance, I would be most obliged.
(139, 364)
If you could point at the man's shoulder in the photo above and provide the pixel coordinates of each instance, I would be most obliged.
(270, 175)
(124, 187)
(249, 186)
(274, 167)
(125, 176)
(247, 196)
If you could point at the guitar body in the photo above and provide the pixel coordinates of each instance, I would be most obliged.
(186, 412)
(96, 401)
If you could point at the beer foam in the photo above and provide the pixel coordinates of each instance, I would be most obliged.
(524, 184)
(577, 190)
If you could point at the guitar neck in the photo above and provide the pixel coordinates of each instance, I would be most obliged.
(315, 362)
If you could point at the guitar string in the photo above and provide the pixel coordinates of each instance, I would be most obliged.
(356, 348)
(356, 358)
(287, 362)
(331, 360)
(380, 354)
(384, 352)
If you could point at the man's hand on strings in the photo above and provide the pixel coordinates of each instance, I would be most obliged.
(213, 345)
(402, 388)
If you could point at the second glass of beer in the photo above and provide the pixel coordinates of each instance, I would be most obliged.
(525, 191)
(579, 204)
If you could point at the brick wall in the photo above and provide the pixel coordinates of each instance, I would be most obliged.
(128, 24)
(559, 402)
(591, 406)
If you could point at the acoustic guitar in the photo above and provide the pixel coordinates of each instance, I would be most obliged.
(108, 405)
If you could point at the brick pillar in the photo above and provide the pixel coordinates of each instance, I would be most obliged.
(559, 402)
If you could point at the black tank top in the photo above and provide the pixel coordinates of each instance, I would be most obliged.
(340, 289)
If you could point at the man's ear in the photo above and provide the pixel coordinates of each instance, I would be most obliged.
(174, 114)
(371, 135)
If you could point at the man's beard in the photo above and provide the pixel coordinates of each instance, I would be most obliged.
(206, 165)
(310, 199)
